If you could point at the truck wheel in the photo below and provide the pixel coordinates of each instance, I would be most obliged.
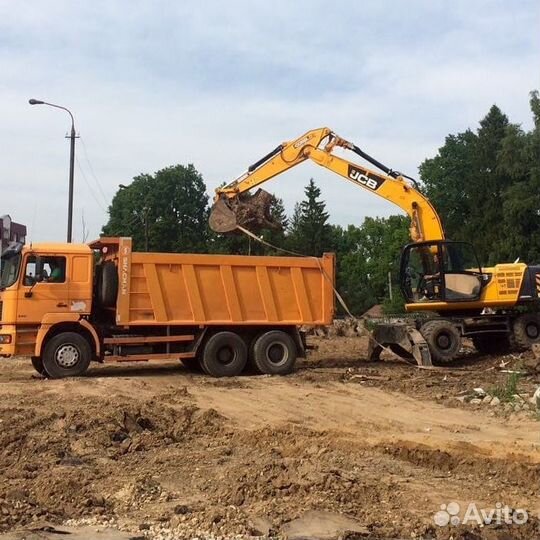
(527, 330)
(251, 367)
(224, 355)
(274, 353)
(66, 355)
(37, 362)
(492, 343)
(108, 284)
(443, 339)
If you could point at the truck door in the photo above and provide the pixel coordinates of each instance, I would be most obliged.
(80, 283)
(44, 288)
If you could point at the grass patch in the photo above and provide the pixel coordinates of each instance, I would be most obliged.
(506, 391)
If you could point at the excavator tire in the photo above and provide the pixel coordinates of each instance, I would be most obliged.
(526, 330)
(443, 339)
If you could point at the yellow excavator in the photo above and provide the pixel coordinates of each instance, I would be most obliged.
(497, 307)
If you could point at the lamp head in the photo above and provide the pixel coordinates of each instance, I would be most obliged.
(35, 102)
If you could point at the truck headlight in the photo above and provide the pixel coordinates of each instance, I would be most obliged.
(5, 338)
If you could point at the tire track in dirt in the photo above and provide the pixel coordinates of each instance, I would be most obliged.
(373, 416)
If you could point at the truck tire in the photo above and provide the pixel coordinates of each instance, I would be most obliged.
(443, 339)
(37, 363)
(224, 355)
(526, 330)
(274, 353)
(492, 343)
(251, 367)
(108, 284)
(66, 355)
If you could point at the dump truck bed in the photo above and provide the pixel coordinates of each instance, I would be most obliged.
(191, 289)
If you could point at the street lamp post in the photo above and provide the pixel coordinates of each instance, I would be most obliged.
(72, 136)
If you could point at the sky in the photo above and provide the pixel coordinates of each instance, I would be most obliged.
(219, 84)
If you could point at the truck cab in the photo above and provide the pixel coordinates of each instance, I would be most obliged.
(39, 286)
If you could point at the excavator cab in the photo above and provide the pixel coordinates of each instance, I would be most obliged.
(440, 271)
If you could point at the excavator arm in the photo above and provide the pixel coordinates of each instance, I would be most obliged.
(436, 275)
(233, 206)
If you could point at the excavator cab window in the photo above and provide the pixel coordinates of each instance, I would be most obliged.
(462, 272)
(440, 271)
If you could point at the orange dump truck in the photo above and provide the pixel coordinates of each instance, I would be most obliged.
(65, 305)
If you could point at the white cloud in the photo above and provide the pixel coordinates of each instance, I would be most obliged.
(219, 84)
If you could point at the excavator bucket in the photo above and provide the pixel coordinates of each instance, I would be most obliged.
(402, 339)
(252, 212)
(222, 217)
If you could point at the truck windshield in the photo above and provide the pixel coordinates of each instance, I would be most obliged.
(10, 269)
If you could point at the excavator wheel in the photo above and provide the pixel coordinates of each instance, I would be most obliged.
(526, 330)
(443, 339)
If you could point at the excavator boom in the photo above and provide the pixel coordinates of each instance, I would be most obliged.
(437, 276)
(233, 206)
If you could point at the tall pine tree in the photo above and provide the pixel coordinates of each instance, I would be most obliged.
(310, 233)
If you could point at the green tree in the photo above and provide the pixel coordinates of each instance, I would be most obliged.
(344, 240)
(447, 178)
(374, 251)
(166, 211)
(467, 187)
(310, 233)
(519, 158)
(486, 187)
(275, 236)
(293, 225)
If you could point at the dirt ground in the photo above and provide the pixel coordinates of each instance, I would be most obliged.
(162, 452)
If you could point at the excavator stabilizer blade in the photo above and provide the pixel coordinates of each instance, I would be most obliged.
(252, 212)
(402, 339)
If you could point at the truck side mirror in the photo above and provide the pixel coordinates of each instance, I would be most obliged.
(28, 294)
